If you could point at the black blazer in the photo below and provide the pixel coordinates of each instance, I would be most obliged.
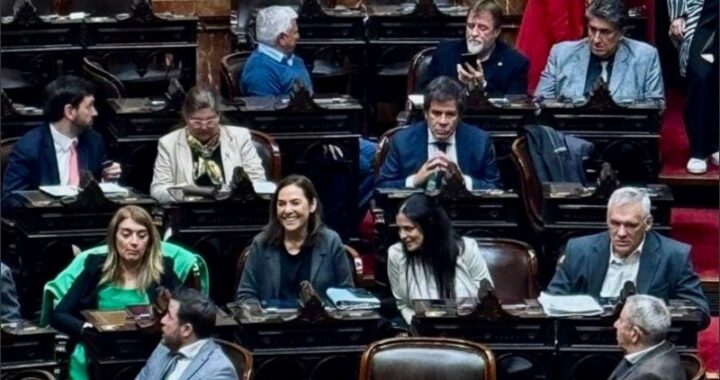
(506, 70)
(82, 295)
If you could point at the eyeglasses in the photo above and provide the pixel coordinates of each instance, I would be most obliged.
(199, 123)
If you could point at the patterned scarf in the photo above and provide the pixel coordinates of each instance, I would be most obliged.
(204, 163)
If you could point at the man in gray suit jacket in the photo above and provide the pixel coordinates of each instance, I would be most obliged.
(631, 68)
(641, 330)
(599, 265)
(186, 351)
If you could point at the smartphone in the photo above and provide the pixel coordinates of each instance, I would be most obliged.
(470, 59)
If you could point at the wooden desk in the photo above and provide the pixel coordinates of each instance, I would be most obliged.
(627, 135)
(27, 346)
(557, 348)
(303, 128)
(219, 232)
(289, 349)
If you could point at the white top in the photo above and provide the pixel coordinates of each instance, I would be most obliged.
(621, 270)
(433, 150)
(410, 285)
(636, 356)
(188, 354)
(62, 145)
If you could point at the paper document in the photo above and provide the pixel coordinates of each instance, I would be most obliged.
(60, 190)
(562, 306)
(352, 298)
(108, 188)
(264, 187)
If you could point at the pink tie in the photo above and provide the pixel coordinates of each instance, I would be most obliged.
(74, 172)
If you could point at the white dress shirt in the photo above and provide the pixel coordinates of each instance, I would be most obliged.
(62, 145)
(188, 354)
(450, 152)
(620, 270)
(636, 356)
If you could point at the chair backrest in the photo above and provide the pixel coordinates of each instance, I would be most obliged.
(418, 69)
(356, 264)
(231, 66)
(240, 357)
(240, 265)
(426, 358)
(269, 152)
(383, 146)
(28, 374)
(530, 188)
(513, 267)
(111, 86)
(6, 148)
(693, 366)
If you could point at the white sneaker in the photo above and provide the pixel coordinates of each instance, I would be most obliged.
(715, 158)
(696, 166)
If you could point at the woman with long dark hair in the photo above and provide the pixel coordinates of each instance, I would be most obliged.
(431, 261)
(294, 247)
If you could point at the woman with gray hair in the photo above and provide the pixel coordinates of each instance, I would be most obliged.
(273, 68)
(204, 152)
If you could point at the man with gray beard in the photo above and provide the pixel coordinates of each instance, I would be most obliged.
(481, 59)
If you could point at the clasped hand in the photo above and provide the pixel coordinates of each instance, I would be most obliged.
(441, 162)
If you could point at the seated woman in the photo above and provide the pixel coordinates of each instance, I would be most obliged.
(204, 152)
(294, 247)
(130, 274)
(431, 261)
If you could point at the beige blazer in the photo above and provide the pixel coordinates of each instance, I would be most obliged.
(173, 165)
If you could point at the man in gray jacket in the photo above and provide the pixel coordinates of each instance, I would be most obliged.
(186, 351)
(641, 330)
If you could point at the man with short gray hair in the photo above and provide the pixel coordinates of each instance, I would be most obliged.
(273, 68)
(630, 251)
(641, 330)
(630, 67)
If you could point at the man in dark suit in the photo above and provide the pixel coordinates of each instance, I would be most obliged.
(187, 350)
(440, 143)
(600, 264)
(499, 68)
(56, 153)
(641, 330)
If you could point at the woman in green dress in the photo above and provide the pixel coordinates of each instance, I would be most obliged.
(130, 274)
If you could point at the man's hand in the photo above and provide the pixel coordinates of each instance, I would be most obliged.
(111, 172)
(430, 167)
(470, 75)
(677, 28)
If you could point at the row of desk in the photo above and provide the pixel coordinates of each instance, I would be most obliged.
(45, 228)
(289, 346)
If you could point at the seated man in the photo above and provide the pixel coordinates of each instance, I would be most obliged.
(272, 69)
(56, 153)
(440, 143)
(641, 333)
(500, 69)
(630, 67)
(187, 350)
(9, 305)
(599, 265)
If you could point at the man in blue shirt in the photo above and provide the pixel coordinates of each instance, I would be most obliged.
(272, 69)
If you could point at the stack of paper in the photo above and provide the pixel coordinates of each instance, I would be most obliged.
(563, 306)
(352, 298)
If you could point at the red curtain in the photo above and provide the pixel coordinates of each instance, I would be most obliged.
(545, 23)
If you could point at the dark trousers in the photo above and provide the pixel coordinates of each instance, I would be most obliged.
(701, 109)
